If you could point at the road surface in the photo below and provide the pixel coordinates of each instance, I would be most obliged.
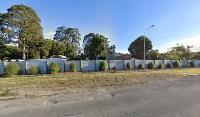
(178, 98)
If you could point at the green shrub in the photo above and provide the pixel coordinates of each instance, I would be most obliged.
(141, 66)
(191, 64)
(128, 66)
(33, 70)
(176, 64)
(12, 69)
(150, 65)
(54, 68)
(168, 65)
(103, 66)
(73, 67)
(161, 66)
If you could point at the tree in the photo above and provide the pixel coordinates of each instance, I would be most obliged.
(71, 38)
(21, 26)
(136, 48)
(153, 55)
(58, 48)
(179, 52)
(112, 49)
(95, 45)
(46, 47)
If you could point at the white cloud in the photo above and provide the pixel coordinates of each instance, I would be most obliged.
(49, 35)
(188, 41)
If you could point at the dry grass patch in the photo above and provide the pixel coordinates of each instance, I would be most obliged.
(56, 82)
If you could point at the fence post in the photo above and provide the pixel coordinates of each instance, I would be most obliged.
(46, 66)
(95, 65)
(64, 66)
(4, 65)
(134, 64)
(123, 65)
(80, 65)
(108, 62)
(25, 67)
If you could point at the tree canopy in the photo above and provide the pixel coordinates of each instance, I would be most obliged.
(22, 26)
(96, 45)
(136, 48)
(71, 38)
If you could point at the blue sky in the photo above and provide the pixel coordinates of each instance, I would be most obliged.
(122, 21)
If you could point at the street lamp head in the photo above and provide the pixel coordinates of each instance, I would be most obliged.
(153, 26)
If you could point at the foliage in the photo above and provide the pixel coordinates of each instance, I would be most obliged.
(161, 66)
(103, 66)
(176, 64)
(96, 45)
(46, 47)
(136, 48)
(192, 64)
(179, 52)
(111, 49)
(153, 55)
(141, 66)
(12, 69)
(73, 67)
(58, 48)
(128, 66)
(33, 70)
(54, 68)
(71, 38)
(10, 52)
(168, 65)
(150, 65)
(22, 26)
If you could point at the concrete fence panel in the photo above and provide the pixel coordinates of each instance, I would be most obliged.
(1, 68)
(41, 64)
(88, 65)
(131, 63)
(58, 61)
(118, 64)
(68, 65)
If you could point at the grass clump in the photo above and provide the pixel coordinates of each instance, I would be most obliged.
(176, 64)
(128, 66)
(54, 68)
(191, 64)
(33, 70)
(168, 65)
(73, 67)
(12, 69)
(141, 66)
(150, 65)
(161, 66)
(103, 66)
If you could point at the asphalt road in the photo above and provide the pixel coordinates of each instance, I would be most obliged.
(179, 98)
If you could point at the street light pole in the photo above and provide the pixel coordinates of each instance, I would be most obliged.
(144, 57)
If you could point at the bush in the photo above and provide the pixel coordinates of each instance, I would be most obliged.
(168, 65)
(103, 66)
(54, 68)
(176, 64)
(128, 66)
(141, 66)
(73, 67)
(12, 69)
(33, 70)
(191, 64)
(161, 66)
(150, 65)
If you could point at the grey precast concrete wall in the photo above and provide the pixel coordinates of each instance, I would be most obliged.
(68, 64)
(41, 64)
(117, 64)
(87, 66)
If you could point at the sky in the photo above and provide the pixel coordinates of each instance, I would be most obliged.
(122, 21)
